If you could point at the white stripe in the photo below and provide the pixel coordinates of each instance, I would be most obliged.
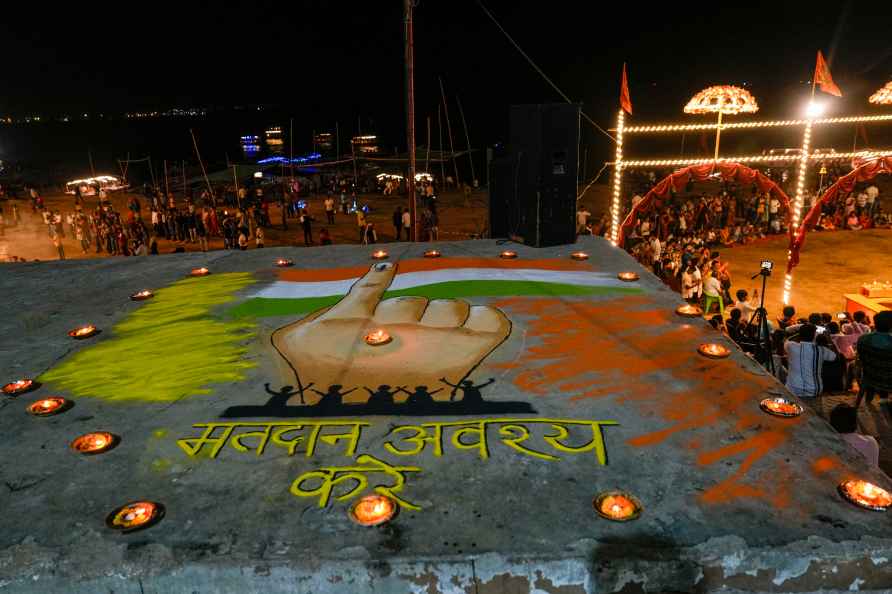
(408, 280)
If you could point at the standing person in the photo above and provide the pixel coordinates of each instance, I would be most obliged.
(306, 221)
(57, 243)
(712, 289)
(258, 237)
(582, 216)
(805, 360)
(691, 283)
(242, 239)
(398, 223)
(360, 222)
(407, 224)
(329, 209)
(202, 231)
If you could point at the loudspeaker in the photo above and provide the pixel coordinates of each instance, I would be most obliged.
(533, 186)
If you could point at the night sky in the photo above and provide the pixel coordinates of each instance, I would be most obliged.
(327, 60)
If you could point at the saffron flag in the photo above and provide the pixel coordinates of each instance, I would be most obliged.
(625, 101)
(823, 78)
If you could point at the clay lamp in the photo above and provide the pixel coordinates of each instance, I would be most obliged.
(865, 494)
(372, 510)
(627, 276)
(378, 337)
(91, 444)
(82, 332)
(135, 516)
(617, 506)
(199, 272)
(48, 407)
(432, 254)
(19, 387)
(379, 255)
(284, 263)
(508, 255)
(579, 256)
(142, 295)
(780, 407)
(713, 350)
(689, 311)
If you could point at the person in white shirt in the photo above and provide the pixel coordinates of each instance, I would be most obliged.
(691, 283)
(712, 288)
(746, 306)
(844, 419)
(407, 224)
(582, 216)
(329, 209)
(657, 258)
(805, 361)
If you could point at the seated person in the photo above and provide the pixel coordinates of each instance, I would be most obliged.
(844, 419)
(875, 357)
(734, 325)
(788, 318)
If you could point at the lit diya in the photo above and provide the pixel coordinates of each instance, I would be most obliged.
(866, 495)
(82, 332)
(617, 506)
(199, 271)
(142, 295)
(19, 387)
(780, 407)
(689, 311)
(135, 516)
(379, 255)
(90, 444)
(627, 276)
(378, 337)
(508, 255)
(579, 256)
(432, 254)
(372, 510)
(713, 350)
(284, 263)
(49, 406)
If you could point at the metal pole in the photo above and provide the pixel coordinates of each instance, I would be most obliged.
(427, 158)
(718, 134)
(449, 131)
(410, 112)
(440, 133)
(200, 162)
(467, 137)
(166, 183)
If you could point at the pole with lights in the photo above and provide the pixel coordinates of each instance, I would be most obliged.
(617, 179)
(408, 5)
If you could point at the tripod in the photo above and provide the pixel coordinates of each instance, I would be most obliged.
(759, 321)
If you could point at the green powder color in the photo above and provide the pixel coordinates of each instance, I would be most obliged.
(169, 348)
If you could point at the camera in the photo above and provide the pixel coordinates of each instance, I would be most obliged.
(767, 265)
(842, 316)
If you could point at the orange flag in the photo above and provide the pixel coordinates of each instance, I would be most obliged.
(625, 100)
(823, 78)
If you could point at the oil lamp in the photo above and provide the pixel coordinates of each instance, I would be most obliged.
(372, 510)
(19, 387)
(199, 271)
(865, 494)
(284, 263)
(378, 337)
(431, 254)
(780, 407)
(90, 444)
(713, 350)
(142, 295)
(617, 506)
(689, 311)
(627, 276)
(508, 255)
(135, 516)
(379, 255)
(49, 406)
(82, 332)
(579, 256)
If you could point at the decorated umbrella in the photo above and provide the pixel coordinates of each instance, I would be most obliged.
(883, 96)
(722, 99)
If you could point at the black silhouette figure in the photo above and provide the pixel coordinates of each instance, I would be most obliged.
(420, 398)
(281, 397)
(470, 393)
(382, 398)
(333, 398)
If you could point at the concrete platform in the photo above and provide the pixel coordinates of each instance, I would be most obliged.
(733, 500)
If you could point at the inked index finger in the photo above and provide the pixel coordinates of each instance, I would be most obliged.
(363, 297)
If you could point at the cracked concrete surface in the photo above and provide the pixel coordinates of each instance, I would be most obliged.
(509, 524)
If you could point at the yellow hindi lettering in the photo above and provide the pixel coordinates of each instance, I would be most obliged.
(262, 438)
(421, 439)
(352, 436)
(474, 428)
(596, 443)
(330, 476)
(194, 446)
(515, 433)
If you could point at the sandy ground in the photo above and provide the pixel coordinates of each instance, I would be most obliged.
(458, 220)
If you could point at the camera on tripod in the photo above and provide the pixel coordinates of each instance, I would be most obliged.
(765, 270)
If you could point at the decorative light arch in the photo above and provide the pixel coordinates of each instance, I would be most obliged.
(678, 180)
(863, 170)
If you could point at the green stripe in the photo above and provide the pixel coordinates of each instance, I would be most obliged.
(262, 307)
